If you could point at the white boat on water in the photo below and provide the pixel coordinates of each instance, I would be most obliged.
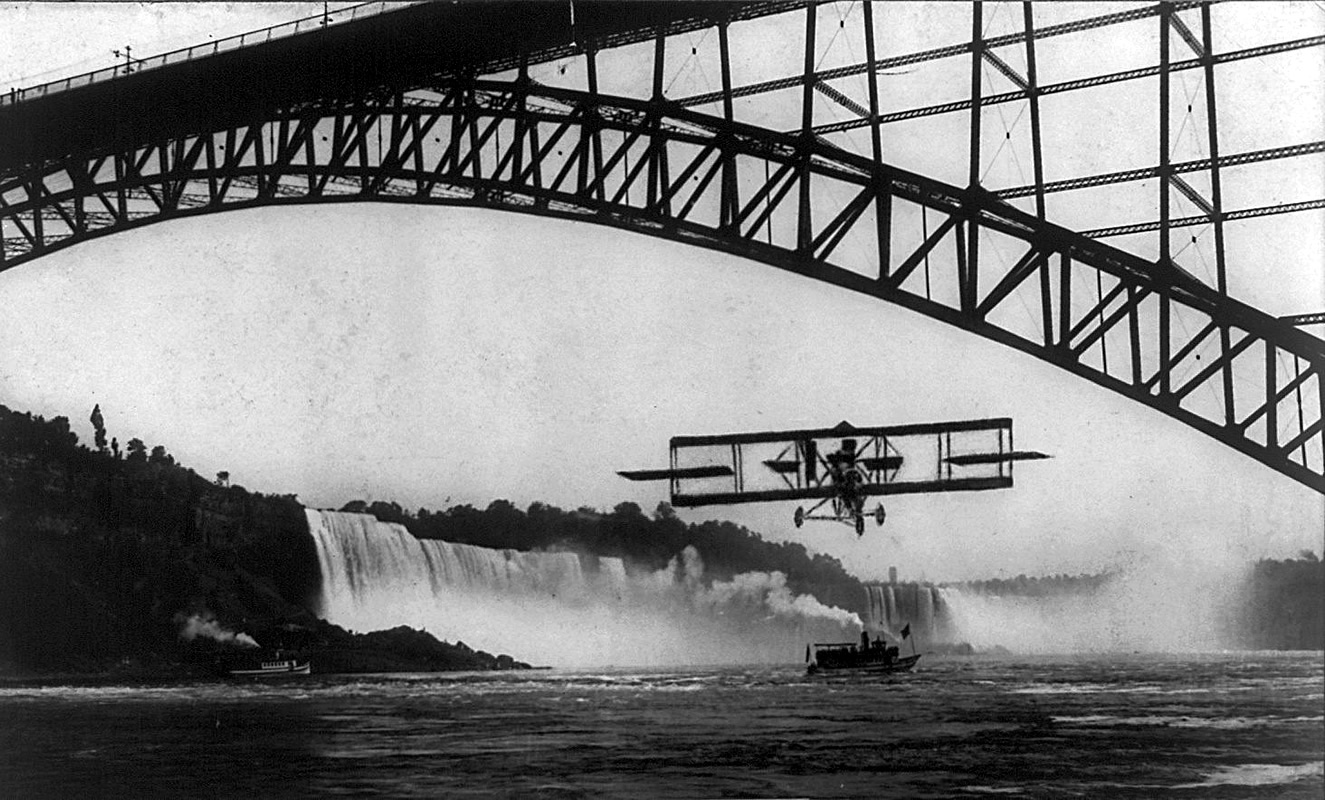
(276, 668)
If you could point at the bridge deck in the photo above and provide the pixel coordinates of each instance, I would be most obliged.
(395, 49)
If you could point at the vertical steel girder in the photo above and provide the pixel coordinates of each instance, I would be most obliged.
(787, 198)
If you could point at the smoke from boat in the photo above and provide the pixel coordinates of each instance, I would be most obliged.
(205, 625)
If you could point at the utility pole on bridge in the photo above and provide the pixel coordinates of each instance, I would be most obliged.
(127, 53)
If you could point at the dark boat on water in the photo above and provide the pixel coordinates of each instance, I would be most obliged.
(278, 666)
(867, 658)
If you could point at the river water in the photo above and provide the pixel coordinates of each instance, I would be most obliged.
(1229, 725)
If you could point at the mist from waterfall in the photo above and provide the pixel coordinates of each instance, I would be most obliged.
(562, 608)
(1159, 605)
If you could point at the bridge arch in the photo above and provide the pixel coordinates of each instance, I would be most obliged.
(790, 200)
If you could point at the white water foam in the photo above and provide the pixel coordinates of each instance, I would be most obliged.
(1216, 723)
(1259, 775)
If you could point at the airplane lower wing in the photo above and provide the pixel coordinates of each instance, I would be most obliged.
(996, 458)
(713, 471)
(968, 484)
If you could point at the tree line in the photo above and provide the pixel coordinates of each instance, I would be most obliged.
(1038, 586)
(645, 541)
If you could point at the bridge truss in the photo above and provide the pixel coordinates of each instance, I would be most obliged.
(592, 127)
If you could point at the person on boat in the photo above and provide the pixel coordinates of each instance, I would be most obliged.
(864, 641)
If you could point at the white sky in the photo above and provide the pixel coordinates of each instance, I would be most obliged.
(436, 356)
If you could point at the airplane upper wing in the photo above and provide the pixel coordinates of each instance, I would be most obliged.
(963, 455)
(845, 429)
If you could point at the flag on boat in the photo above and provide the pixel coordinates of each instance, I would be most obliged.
(906, 630)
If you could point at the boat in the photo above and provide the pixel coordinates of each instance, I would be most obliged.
(277, 667)
(865, 657)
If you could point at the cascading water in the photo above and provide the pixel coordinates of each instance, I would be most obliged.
(894, 606)
(561, 608)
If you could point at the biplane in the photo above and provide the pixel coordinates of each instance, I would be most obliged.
(839, 468)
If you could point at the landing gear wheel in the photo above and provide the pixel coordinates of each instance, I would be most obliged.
(860, 524)
(799, 517)
(880, 515)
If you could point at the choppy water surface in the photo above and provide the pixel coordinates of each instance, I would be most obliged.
(1246, 725)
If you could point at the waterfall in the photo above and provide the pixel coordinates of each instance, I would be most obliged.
(874, 606)
(561, 608)
(925, 609)
(894, 606)
(943, 627)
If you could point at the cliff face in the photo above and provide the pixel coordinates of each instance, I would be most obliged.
(105, 559)
(99, 554)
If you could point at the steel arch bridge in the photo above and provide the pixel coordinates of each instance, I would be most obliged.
(591, 111)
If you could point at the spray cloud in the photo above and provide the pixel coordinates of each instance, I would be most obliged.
(1165, 601)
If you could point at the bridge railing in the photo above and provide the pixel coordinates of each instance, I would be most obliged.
(284, 29)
